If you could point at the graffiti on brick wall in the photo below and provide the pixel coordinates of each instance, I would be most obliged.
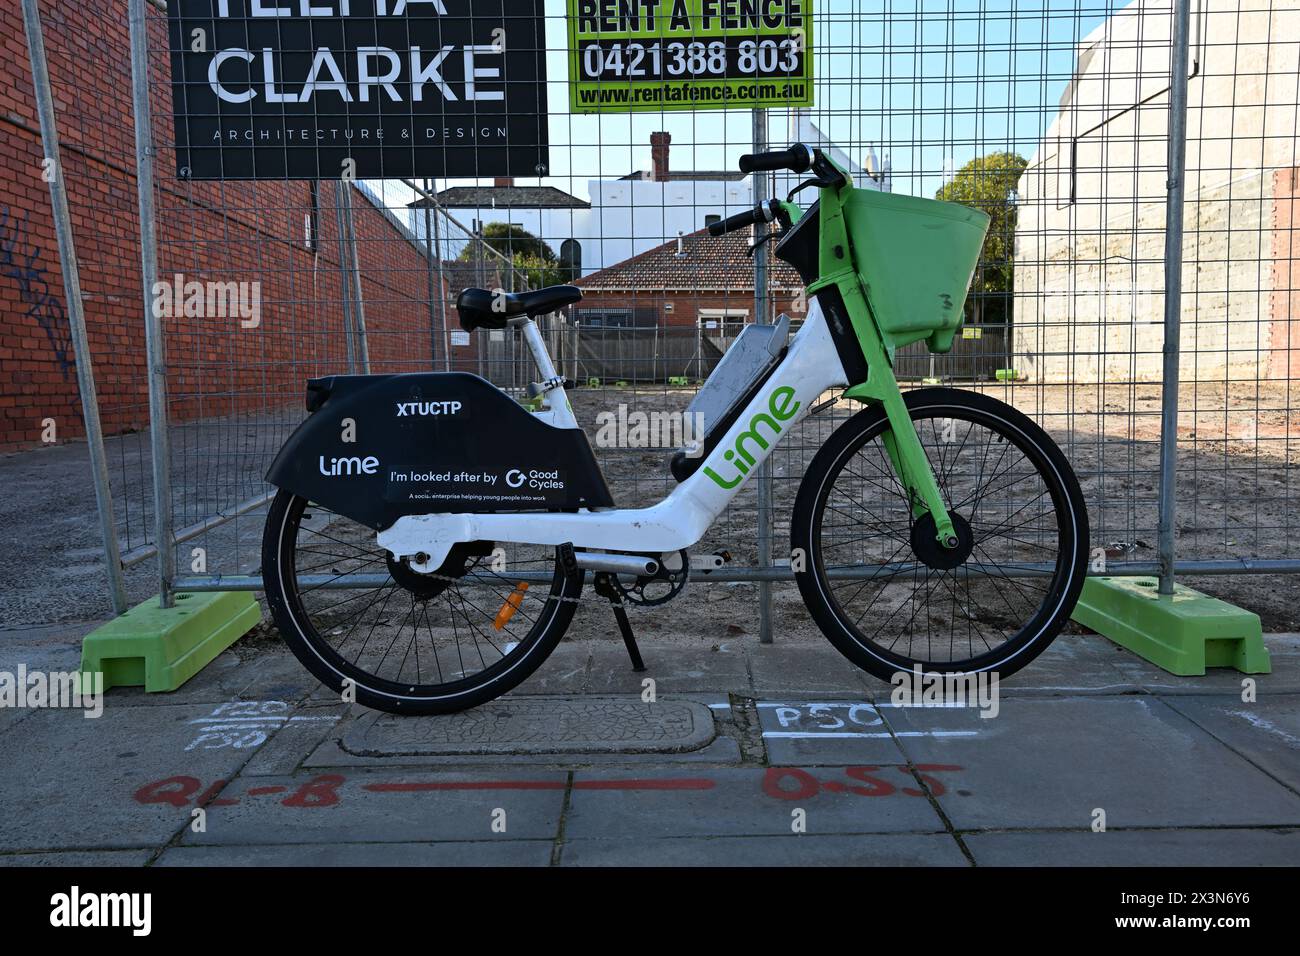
(19, 258)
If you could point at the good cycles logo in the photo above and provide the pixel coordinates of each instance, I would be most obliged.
(537, 480)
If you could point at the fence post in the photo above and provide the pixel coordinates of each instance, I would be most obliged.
(764, 474)
(76, 308)
(345, 277)
(159, 439)
(442, 291)
(1173, 292)
(354, 265)
(1188, 634)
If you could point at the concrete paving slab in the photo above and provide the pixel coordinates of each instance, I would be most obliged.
(275, 674)
(71, 782)
(330, 755)
(827, 732)
(1073, 665)
(499, 852)
(564, 672)
(47, 649)
(393, 806)
(675, 668)
(808, 670)
(1051, 762)
(1267, 732)
(1284, 655)
(1201, 847)
(94, 858)
(744, 802)
(550, 725)
(285, 751)
(881, 849)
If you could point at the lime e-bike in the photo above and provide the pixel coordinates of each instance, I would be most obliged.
(432, 536)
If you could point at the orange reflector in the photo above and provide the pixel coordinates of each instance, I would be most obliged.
(508, 609)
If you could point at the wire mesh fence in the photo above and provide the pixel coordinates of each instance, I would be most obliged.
(1053, 118)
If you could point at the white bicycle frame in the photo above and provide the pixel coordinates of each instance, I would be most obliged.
(810, 366)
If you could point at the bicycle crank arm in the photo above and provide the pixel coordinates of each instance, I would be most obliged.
(635, 565)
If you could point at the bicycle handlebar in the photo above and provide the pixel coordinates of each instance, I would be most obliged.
(798, 159)
(763, 212)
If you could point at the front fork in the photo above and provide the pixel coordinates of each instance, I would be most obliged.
(901, 442)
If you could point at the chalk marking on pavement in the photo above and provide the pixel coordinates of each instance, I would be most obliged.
(801, 734)
(1255, 720)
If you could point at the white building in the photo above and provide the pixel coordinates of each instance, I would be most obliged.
(627, 215)
(1091, 220)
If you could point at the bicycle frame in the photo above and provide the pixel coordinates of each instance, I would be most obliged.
(811, 366)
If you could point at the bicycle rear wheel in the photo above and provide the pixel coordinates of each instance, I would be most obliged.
(881, 588)
(407, 642)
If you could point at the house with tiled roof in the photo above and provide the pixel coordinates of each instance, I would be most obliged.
(694, 281)
(629, 214)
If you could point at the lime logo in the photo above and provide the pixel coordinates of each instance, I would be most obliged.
(781, 407)
(515, 478)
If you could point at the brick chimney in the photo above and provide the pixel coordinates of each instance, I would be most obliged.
(503, 181)
(659, 156)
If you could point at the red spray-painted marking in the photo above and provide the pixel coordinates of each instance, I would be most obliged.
(683, 784)
(321, 791)
(781, 783)
(776, 782)
(425, 786)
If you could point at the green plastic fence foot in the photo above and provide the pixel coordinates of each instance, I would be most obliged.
(1184, 632)
(163, 648)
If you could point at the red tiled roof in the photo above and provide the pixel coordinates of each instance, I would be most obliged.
(706, 264)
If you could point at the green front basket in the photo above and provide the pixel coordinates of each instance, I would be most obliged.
(917, 257)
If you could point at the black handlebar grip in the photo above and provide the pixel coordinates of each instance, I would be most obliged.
(798, 158)
(739, 221)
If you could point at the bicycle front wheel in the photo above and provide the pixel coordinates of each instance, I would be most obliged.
(875, 579)
(404, 641)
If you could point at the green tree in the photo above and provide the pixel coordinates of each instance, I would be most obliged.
(986, 184)
(531, 257)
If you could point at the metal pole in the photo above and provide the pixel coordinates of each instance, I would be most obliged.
(159, 440)
(429, 266)
(442, 292)
(345, 277)
(764, 474)
(359, 306)
(76, 310)
(1173, 291)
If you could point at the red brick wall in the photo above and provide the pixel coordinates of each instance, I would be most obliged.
(1284, 333)
(244, 232)
(686, 306)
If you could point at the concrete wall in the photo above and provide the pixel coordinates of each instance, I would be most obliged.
(1090, 236)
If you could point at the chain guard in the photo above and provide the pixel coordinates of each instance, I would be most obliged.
(426, 586)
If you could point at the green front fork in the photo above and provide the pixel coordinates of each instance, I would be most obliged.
(901, 442)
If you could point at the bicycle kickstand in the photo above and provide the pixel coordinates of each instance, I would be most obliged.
(603, 585)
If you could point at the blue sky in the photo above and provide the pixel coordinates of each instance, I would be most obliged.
(933, 82)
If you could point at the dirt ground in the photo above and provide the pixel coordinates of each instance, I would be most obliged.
(1237, 493)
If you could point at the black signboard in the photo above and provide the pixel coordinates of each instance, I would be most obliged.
(322, 89)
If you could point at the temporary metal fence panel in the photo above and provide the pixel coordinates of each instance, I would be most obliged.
(1053, 118)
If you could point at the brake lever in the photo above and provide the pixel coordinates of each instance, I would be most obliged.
(753, 246)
